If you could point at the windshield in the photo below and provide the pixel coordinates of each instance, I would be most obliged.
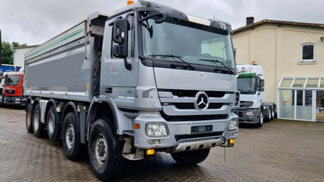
(194, 43)
(246, 85)
(13, 80)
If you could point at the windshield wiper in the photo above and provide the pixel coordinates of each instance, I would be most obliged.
(216, 61)
(174, 57)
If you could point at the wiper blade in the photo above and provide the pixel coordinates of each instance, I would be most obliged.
(174, 57)
(216, 61)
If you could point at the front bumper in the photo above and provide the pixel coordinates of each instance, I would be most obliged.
(19, 101)
(180, 137)
(244, 118)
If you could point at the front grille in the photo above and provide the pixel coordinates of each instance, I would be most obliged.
(192, 93)
(10, 91)
(193, 118)
(192, 106)
(240, 114)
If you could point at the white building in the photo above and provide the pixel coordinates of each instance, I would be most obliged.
(19, 54)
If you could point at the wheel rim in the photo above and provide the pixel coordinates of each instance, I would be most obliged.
(100, 149)
(28, 119)
(261, 118)
(51, 123)
(36, 120)
(69, 137)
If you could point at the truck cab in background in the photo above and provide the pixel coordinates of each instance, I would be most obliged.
(13, 89)
(250, 83)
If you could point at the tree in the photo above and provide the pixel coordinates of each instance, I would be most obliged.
(7, 51)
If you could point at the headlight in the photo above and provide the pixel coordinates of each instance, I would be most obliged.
(17, 100)
(233, 125)
(249, 113)
(156, 130)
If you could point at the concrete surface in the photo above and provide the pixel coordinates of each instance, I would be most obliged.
(279, 151)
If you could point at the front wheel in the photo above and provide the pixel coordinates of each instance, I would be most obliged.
(260, 118)
(103, 150)
(191, 157)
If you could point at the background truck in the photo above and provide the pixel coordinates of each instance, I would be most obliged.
(250, 83)
(13, 89)
(132, 83)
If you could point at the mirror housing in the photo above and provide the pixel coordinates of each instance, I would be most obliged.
(120, 36)
(261, 85)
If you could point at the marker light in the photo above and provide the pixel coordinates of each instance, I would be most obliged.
(137, 126)
(130, 2)
(150, 151)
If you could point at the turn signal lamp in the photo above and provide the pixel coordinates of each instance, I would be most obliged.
(130, 2)
(231, 141)
(150, 151)
(137, 126)
(253, 63)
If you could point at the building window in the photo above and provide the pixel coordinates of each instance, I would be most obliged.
(307, 52)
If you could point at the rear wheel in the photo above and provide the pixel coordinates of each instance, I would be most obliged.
(28, 119)
(52, 126)
(103, 150)
(260, 118)
(71, 138)
(270, 113)
(38, 127)
(191, 157)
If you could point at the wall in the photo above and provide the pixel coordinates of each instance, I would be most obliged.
(19, 55)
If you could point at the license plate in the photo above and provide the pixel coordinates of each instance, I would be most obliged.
(201, 129)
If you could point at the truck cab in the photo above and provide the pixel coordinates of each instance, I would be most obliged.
(253, 108)
(13, 89)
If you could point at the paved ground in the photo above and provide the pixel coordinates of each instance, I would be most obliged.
(279, 151)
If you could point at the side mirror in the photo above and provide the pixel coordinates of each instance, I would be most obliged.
(0, 49)
(261, 85)
(120, 36)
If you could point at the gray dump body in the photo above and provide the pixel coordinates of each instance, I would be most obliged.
(61, 67)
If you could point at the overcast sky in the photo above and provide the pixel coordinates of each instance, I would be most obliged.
(35, 21)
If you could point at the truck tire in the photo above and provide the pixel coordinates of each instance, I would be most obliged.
(28, 119)
(191, 157)
(38, 127)
(267, 118)
(52, 126)
(103, 150)
(260, 119)
(70, 137)
(270, 113)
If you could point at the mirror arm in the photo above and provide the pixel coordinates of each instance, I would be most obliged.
(127, 65)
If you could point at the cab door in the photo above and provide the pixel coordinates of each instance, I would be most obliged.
(117, 80)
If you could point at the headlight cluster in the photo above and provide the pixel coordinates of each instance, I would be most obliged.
(156, 130)
(233, 125)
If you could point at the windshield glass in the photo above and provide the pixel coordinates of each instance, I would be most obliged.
(13, 80)
(194, 43)
(246, 85)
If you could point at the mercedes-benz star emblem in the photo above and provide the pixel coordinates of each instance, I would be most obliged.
(201, 101)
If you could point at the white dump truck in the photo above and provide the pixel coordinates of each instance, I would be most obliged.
(250, 83)
(146, 78)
